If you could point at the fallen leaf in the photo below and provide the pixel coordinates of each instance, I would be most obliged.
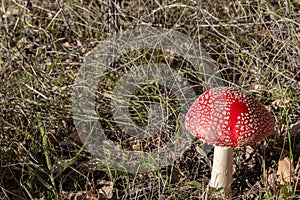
(106, 189)
(285, 169)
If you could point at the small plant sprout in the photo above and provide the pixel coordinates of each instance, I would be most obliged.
(227, 118)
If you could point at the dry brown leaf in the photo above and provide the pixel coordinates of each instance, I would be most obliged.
(88, 195)
(285, 169)
(107, 189)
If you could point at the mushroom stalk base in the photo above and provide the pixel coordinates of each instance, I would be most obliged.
(221, 175)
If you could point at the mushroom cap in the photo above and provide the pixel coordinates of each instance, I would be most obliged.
(228, 117)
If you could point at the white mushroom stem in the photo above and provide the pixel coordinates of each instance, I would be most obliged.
(221, 175)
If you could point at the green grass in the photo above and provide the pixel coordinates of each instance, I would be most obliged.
(43, 44)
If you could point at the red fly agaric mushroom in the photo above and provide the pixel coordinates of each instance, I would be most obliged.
(227, 118)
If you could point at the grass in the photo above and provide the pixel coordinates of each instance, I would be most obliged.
(43, 45)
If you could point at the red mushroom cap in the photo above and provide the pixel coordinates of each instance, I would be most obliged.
(228, 117)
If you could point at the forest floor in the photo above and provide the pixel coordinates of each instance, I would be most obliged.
(44, 45)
